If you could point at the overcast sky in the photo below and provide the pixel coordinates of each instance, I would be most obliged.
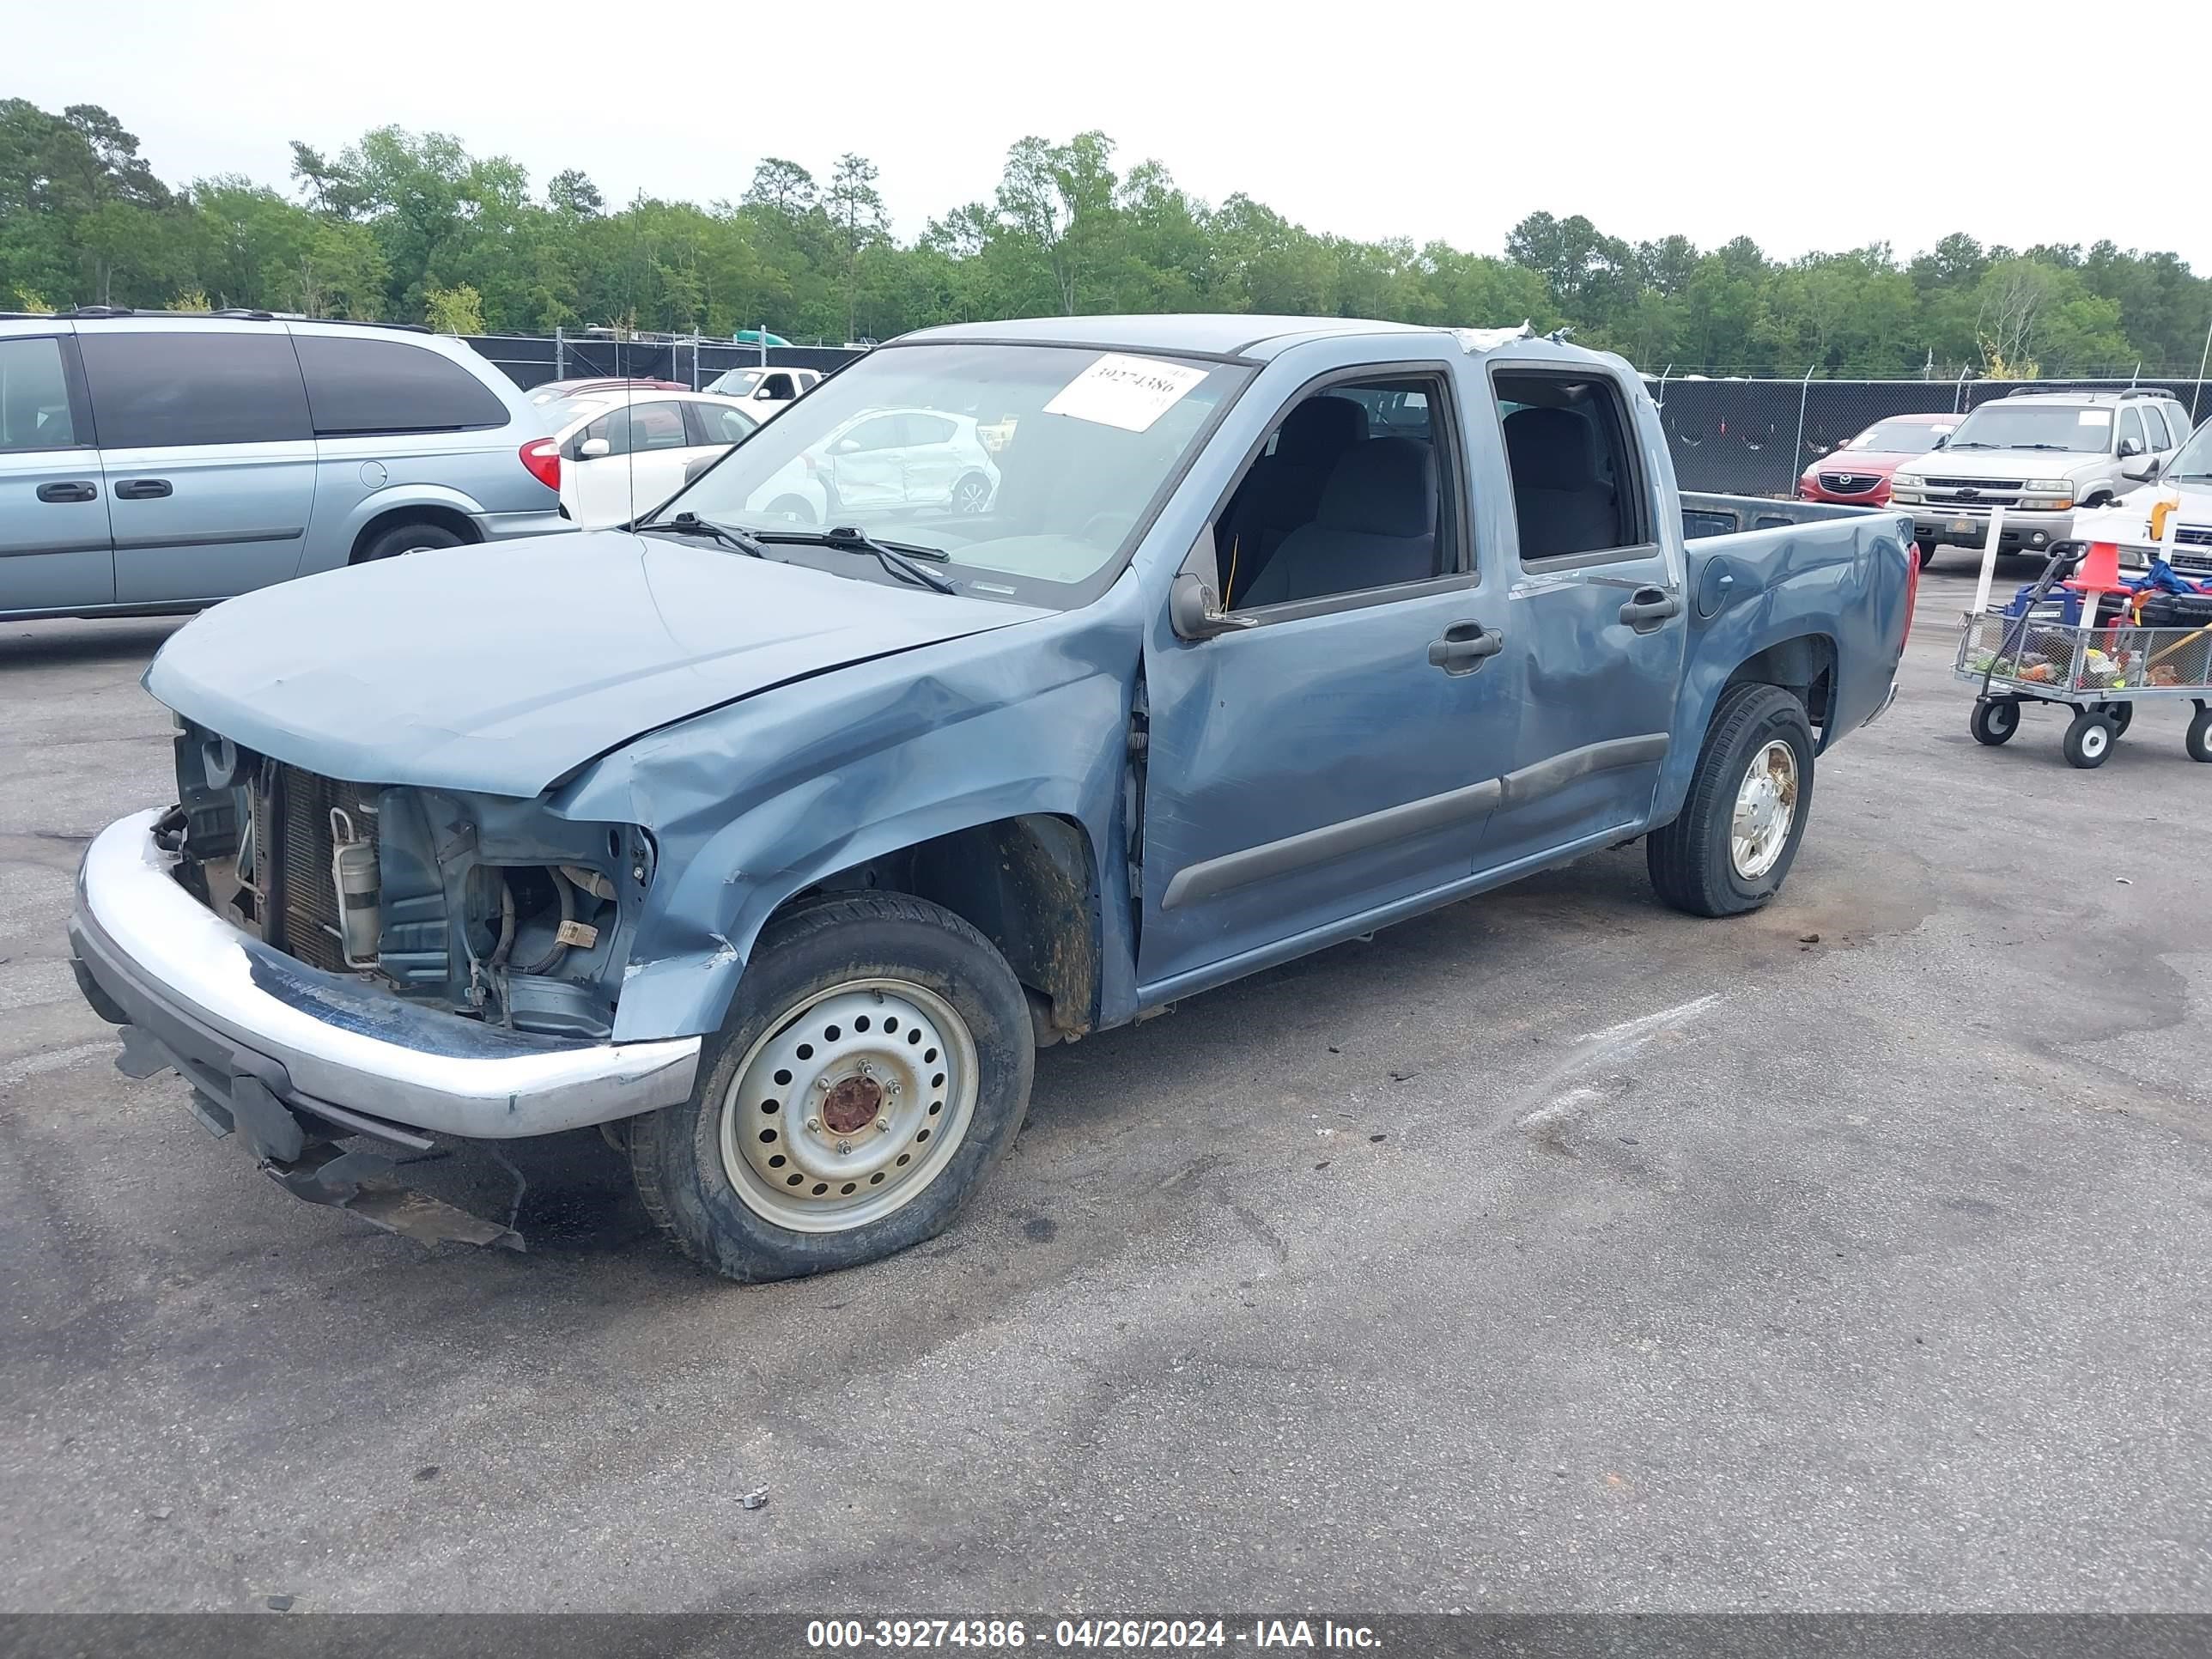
(1802, 126)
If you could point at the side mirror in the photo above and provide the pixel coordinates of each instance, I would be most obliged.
(1194, 602)
(2130, 447)
(694, 469)
(2142, 467)
(592, 449)
(1943, 439)
(845, 446)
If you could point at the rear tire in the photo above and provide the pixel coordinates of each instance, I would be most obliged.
(796, 1154)
(972, 494)
(407, 538)
(1727, 854)
(2199, 738)
(1928, 555)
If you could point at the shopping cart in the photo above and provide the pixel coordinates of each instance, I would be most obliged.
(2100, 666)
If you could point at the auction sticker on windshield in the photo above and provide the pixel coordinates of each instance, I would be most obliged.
(1130, 392)
(2096, 418)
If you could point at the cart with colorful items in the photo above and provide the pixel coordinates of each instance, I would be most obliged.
(2097, 643)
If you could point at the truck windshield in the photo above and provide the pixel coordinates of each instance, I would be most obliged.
(2194, 459)
(2036, 426)
(1031, 468)
(735, 382)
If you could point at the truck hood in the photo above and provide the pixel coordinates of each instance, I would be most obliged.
(498, 668)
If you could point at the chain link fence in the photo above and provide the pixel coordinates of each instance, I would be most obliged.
(1744, 437)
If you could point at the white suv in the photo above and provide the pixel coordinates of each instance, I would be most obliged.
(2040, 455)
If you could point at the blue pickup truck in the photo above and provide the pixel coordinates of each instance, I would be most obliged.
(776, 846)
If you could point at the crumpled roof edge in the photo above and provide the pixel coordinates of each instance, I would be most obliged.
(1471, 340)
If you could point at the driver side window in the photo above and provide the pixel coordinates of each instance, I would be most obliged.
(1352, 492)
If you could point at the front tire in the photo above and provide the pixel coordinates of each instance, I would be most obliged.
(1995, 721)
(875, 1064)
(2088, 740)
(1731, 849)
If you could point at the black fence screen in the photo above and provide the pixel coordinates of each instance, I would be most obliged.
(533, 359)
(1756, 437)
(1738, 437)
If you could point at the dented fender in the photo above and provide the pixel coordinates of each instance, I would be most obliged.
(754, 803)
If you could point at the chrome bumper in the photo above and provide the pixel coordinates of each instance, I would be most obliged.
(228, 1010)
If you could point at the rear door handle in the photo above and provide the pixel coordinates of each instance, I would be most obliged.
(76, 489)
(1650, 607)
(1464, 648)
(142, 490)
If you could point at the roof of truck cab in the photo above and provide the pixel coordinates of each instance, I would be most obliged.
(1213, 333)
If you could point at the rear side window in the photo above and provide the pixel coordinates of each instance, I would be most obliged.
(35, 402)
(1576, 489)
(370, 385)
(929, 430)
(718, 425)
(151, 389)
(2154, 424)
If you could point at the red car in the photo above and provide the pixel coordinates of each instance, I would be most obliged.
(1856, 474)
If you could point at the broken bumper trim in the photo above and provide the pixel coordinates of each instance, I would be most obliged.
(240, 1011)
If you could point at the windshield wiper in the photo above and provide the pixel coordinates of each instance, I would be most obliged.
(2061, 447)
(690, 524)
(897, 557)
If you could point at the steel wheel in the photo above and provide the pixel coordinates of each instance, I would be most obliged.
(1765, 808)
(972, 494)
(850, 1107)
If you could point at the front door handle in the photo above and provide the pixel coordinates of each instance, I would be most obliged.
(1650, 607)
(76, 489)
(142, 490)
(1464, 648)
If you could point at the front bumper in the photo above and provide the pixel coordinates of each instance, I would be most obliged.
(263, 1036)
(1935, 523)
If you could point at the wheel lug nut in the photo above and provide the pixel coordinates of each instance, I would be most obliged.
(884, 1124)
(865, 1070)
(821, 1084)
(844, 1146)
(814, 1125)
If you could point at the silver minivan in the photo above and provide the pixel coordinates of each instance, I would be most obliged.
(160, 461)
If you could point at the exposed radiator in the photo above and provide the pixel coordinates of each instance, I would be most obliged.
(293, 844)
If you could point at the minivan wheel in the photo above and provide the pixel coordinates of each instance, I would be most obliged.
(875, 1064)
(406, 538)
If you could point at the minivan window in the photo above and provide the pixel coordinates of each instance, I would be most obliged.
(359, 386)
(151, 389)
(34, 407)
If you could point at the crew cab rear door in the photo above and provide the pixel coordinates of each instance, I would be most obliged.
(1597, 610)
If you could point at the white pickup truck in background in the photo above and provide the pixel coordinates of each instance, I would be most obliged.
(765, 391)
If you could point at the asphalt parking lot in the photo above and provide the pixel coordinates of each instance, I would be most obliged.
(1553, 1251)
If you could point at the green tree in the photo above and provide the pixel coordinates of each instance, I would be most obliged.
(454, 310)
